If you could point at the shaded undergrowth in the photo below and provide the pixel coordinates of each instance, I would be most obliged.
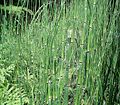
(62, 61)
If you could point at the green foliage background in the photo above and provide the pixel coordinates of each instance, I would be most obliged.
(73, 59)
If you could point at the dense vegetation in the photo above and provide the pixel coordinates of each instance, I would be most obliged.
(65, 53)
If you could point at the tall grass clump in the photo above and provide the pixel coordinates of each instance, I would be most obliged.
(69, 57)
